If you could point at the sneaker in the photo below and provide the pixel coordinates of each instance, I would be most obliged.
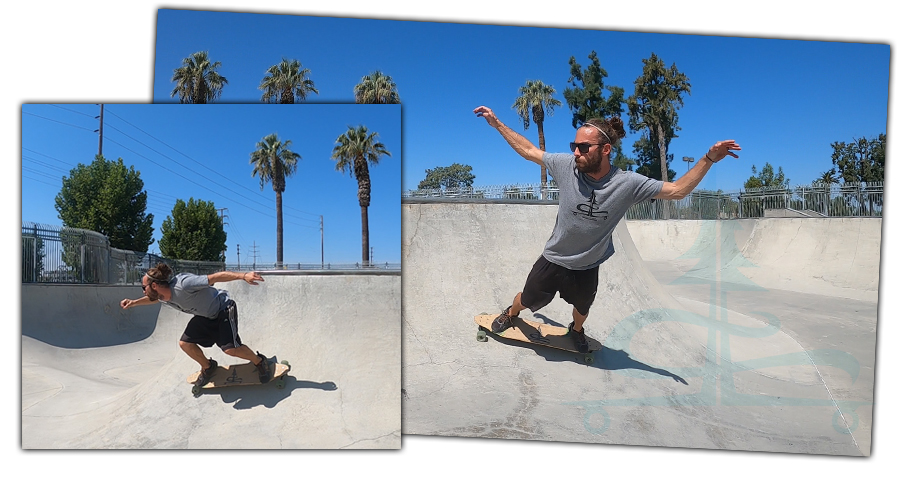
(581, 342)
(502, 322)
(263, 368)
(206, 375)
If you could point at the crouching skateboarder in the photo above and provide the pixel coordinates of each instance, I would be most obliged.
(215, 318)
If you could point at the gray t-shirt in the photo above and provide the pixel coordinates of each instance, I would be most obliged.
(590, 210)
(193, 294)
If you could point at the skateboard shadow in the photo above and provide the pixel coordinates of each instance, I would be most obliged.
(268, 395)
(605, 359)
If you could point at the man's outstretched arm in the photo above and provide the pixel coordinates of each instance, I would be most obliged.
(519, 143)
(688, 182)
(126, 304)
(249, 277)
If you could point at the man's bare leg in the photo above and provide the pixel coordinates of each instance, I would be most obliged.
(244, 352)
(193, 350)
(579, 320)
(517, 306)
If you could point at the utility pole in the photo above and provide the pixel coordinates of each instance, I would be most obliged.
(239, 256)
(100, 148)
(222, 216)
(322, 232)
(254, 253)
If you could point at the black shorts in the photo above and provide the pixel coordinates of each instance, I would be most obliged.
(577, 287)
(222, 330)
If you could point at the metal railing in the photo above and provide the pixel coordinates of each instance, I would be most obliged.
(53, 254)
(835, 200)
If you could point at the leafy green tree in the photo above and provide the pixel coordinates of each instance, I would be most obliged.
(194, 231)
(585, 96)
(534, 101)
(197, 80)
(273, 161)
(108, 198)
(658, 94)
(620, 160)
(767, 178)
(287, 82)
(354, 151)
(861, 160)
(827, 178)
(376, 88)
(647, 159)
(454, 176)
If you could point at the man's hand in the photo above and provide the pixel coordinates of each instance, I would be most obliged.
(721, 150)
(252, 278)
(488, 115)
(126, 304)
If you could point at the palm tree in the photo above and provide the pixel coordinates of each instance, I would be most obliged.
(536, 99)
(286, 82)
(197, 81)
(376, 88)
(354, 151)
(273, 161)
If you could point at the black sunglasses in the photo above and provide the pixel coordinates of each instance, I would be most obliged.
(582, 147)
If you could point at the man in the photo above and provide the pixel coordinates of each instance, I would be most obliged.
(593, 198)
(215, 318)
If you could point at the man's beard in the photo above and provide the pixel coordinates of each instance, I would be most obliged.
(592, 167)
(152, 295)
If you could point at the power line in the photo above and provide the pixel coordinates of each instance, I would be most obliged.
(195, 161)
(57, 121)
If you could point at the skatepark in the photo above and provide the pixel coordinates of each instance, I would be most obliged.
(752, 335)
(95, 376)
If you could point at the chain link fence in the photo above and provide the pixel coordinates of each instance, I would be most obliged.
(53, 254)
(835, 200)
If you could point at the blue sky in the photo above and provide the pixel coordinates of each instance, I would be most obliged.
(203, 152)
(784, 101)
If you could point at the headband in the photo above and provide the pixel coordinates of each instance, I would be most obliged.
(601, 131)
(151, 277)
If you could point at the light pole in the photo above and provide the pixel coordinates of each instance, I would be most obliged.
(689, 160)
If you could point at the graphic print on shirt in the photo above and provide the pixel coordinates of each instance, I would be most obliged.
(590, 210)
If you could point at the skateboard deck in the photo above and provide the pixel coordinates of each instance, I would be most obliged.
(529, 331)
(240, 374)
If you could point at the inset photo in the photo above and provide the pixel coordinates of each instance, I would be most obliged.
(211, 276)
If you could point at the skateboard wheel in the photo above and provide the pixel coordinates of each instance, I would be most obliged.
(481, 336)
(285, 362)
(279, 384)
(196, 389)
(588, 359)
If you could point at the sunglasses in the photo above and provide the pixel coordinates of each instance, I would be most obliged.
(582, 147)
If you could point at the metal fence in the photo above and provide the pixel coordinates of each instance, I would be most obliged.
(835, 200)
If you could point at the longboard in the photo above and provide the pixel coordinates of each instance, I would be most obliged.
(537, 333)
(241, 374)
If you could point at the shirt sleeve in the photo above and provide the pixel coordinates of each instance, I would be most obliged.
(645, 188)
(191, 282)
(556, 162)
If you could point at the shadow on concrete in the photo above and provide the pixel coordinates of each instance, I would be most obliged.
(245, 397)
(604, 359)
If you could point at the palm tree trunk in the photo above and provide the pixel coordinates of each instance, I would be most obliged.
(365, 234)
(540, 127)
(279, 229)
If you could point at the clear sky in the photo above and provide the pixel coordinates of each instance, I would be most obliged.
(784, 101)
(203, 152)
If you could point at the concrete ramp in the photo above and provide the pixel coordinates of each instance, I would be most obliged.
(340, 333)
(836, 257)
(672, 373)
